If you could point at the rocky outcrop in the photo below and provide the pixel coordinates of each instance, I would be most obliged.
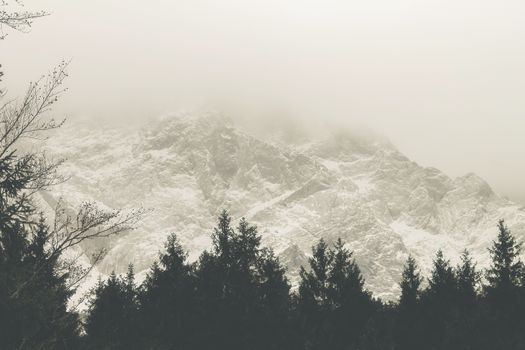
(360, 188)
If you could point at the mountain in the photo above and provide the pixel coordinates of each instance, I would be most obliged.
(189, 166)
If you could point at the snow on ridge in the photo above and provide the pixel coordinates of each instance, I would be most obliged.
(382, 204)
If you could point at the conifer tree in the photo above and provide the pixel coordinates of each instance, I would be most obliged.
(333, 306)
(506, 270)
(38, 315)
(36, 278)
(468, 279)
(313, 303)
(273, 289)
(504, 302)
(130, 286)
(464, 330)
(229, 285)
(223, 239)
(247, 245)
(344, 278)
(411, 280)
(209, 278)
(167, 300)
(439, 303)
(243, 273)
(33, 292)
(442, 282)
(407, 328)
(112, 314)
(351, 306)
(314, 283)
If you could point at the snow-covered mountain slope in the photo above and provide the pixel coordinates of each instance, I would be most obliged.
(187, 168)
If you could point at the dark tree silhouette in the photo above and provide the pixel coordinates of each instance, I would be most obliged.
(506, 271)
(333, 306)
(468, 280)
(237, 297)
(112, 314)
(439, 303)
(273, 295)
(36, 278)
(37, 316)
(410, 283)
(504, 303)
(407, 328)
(465, 329)
(313, 305)
(167, 300)
(350, 304)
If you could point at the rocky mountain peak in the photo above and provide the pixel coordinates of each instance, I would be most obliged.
(187, 167)
(475, 185)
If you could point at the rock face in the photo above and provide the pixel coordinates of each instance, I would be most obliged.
(187, 168)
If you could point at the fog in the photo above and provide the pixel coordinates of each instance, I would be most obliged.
(443, 79)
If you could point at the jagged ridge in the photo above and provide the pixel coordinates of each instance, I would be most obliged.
(361, 189)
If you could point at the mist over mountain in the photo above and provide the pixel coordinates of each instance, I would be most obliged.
(295, 187)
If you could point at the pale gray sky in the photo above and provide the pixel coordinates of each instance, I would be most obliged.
(443, 79)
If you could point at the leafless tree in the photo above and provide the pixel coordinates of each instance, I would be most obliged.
(27, 118)
(14, 16)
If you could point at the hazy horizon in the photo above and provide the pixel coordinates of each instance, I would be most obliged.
(443, 80)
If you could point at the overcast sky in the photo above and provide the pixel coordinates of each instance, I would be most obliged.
(443, 79)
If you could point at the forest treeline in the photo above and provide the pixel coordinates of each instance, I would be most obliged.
(237, 296)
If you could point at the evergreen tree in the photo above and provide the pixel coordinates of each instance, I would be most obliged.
(230, 280)
(33, 290)
(406, 329)
(344, 278)
(351, 306)
(411, 280)
(468, 280)
(506, 270)
(273, 287)
(442, 282)
(440, 304)
(463, 332)
(333, 306)
(36, 278)
(167, 300)
(33, 295)
(130, 286)
(314, 283)
(247, 245)
(504, 303)
(244, 282)
(210, 301)
(223, 240)
(274, 329)
(111, 322)
(313, 303)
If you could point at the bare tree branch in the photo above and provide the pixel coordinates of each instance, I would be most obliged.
(25, 118)
(19, 19)
(90, 222)
(34, 172)
(70, 231)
